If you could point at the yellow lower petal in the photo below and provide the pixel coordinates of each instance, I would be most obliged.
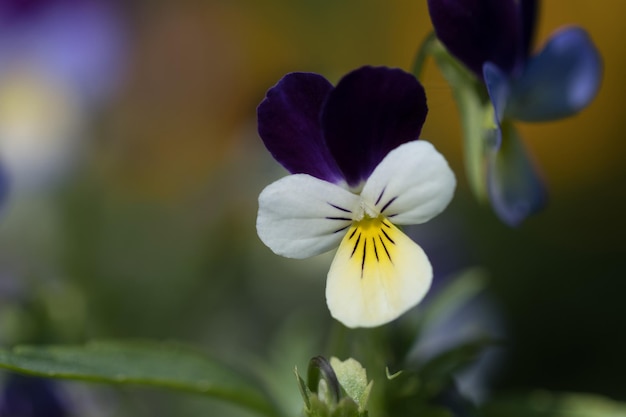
(378, 274)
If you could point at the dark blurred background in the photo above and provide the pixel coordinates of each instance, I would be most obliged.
(144, 224)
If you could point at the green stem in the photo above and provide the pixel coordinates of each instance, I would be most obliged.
(473, 102)
(422, 54)
(337, 344)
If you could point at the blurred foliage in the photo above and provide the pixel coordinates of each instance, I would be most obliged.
(139, 362)
(545, 404)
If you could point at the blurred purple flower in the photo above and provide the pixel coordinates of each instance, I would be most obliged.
(75, 42)
(493, 39)
(59, 60)
(26, 396)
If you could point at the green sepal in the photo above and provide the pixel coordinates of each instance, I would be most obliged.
(352, 377)
(335, 388)
(345, 408)
(474, 106)
(304, 390)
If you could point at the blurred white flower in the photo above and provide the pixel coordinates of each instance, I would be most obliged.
(40, 125)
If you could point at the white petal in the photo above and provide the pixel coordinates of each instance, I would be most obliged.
(412, 184)
(302, 216)
(378, 273)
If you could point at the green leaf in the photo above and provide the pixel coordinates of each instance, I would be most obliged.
(292, 344)
(463, 287)
(304, 390)
(437, 372)
(139, 362)
(546, 404)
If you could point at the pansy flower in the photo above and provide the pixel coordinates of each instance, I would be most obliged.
(493, 39)
(358, 171)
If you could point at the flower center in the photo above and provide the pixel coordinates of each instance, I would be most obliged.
(371, 243)
(365, 212)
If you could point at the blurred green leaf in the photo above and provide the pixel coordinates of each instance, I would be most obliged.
(438, 371)
(433, 411)
(140, 362)
(291, 345)
(461, 288)
(546, 404)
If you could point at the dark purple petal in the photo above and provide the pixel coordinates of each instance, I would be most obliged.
(371, 112)
(528, 14)
(289, 124)
(558, 82)
(19, 11)
(516, 190)
(478, 31)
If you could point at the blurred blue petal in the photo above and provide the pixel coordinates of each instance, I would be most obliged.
(515, 188)
(25, 396)
(84, 46)
(78, 43)
(558, 82)
(499, 89)
(4, 187)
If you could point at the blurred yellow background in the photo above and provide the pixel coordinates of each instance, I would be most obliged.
(197, 70)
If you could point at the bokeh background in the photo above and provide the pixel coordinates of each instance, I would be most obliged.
(145, 226)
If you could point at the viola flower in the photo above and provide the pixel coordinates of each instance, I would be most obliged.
(358, 170)
(493, 39)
